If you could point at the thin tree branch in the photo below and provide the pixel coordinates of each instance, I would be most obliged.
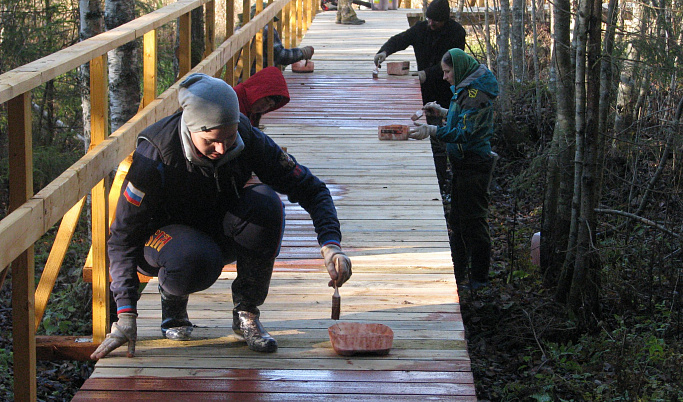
(639, 219)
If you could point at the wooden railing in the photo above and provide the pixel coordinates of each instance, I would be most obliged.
(32, 215)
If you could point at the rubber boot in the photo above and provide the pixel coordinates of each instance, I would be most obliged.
(247, 325)
(175, 324)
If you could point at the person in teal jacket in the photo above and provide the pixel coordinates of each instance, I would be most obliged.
(467, 133)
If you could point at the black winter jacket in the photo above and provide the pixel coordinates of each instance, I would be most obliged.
(162, 187)
(429, 46)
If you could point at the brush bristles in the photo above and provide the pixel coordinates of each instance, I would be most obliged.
(336, 307)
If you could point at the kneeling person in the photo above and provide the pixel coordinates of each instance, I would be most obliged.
(186, 210)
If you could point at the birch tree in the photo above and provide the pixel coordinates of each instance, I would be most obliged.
(517, 40)
(91, 24)
(559, 178)
(123, 62)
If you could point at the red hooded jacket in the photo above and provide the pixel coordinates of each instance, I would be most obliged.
(267, 82)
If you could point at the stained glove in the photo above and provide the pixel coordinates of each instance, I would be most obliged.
(334, 256)
(421, 75)
(433, 109)
(379, 58)
(307, 52)
(125, 330)
(421, 131)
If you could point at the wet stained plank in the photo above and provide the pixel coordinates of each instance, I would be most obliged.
(393, 229)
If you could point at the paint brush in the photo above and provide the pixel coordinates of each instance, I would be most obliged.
(336, 299)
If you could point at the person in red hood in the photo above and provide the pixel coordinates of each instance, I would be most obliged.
(263, 92)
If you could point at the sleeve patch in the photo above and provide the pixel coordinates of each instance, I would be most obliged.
(286, 161)
(133, 195)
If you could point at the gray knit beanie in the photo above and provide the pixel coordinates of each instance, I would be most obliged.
(207, 103)
(439, 10)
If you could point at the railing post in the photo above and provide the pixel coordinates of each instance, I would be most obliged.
(286, 30)
(271, 36)
(209, 27)
(149, 67)
(258, 39)
(185, 43)
(23, 268)
(229, 31)
(299, 20)
(100, 229)
(246, 49)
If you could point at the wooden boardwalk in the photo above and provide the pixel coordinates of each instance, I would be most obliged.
(393, 229)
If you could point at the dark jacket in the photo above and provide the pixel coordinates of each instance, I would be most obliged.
(429, 46)
(167, 188)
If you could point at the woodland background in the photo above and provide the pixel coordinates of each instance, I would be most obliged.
(590, 137)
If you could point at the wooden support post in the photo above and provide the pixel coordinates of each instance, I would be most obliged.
(54, 261)
(100, 229)
(286, 30)
(292, 24)
(23, 268)
(246, 50)
(299, 21)
(209, 27)
(312, 8)
(229, 30)
(258, 39)
(270, 54)
(185, 44)
(149, 69)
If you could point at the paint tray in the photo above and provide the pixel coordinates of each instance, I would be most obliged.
(350, 338)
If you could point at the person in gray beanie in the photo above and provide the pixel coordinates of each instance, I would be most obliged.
(430, 39)
(188, 207)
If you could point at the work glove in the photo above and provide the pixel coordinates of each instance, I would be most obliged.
(379, 58)
(421, 75)
(433, 109)
(337, 263)
(421, 131)
(307, 51)
(125, 330)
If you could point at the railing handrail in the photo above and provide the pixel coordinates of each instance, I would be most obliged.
(25, 225)
(29, 76)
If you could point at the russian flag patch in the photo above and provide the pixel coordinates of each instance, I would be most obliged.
(133, 195)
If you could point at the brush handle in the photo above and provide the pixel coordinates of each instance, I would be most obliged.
(336, 303)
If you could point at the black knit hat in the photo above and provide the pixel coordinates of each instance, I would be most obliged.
(439, 10)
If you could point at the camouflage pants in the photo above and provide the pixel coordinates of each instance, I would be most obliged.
(345, 11)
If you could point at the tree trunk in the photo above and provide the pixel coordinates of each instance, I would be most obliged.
(92, 23)
(625, 92)
(503, 64)
(585, 287)
(124, 77)
(557, 198)
(517, 40)
(197, 28)
(564, 284)
(606, 77)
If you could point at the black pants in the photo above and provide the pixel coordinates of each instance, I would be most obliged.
(471, 239)
(188, 260)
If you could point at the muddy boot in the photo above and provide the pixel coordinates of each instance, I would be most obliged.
(346, 15)
(248, 327)
(175, 324)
